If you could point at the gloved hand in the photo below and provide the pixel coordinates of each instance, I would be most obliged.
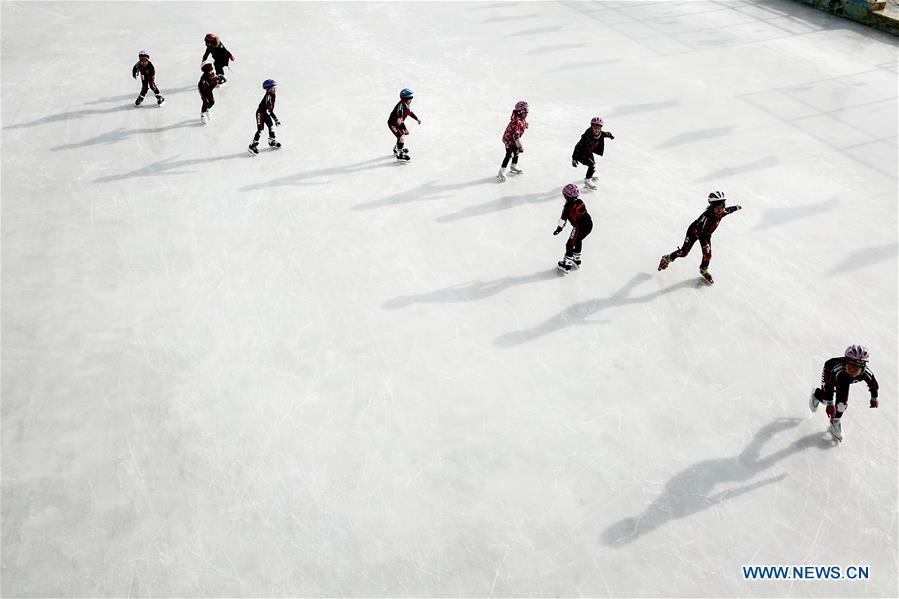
(557, 231)
(134, 75)
(611, 136)
(874, 402)
(831, 410)
(737, 207)
(521, 150)
(574, 163)
(231, 57)
(277, 123)
(419, 121)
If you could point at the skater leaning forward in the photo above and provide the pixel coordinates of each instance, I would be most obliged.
(518, 122)
(220, 56)
(592, 142)
(396, 122)
(147, 73)
(575, 212)
(265, 116)
(207, 83)
(701, 229)
(838, 374)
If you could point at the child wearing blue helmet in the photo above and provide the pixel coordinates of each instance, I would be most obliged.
(397, 125)
(265, 117)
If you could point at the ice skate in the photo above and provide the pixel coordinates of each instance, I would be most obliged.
(664, 262)
(564, 265)
(273, 143)
(515, 170)
(221, 79)
(705, 274)
(576, 260)
(836, 429)
(813, 402)
(501, 175)
(204, 118)
(588, 183)
(159, 100)
(254, 148)
(139, 100)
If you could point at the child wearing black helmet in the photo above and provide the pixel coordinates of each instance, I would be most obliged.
(838, 374)
(592, 141)
(220, 56)
(702, 229)
(397, 125)
(147, 72)
(575, 212)
(207, 83)
(265, 117)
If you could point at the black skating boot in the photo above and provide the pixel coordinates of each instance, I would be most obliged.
(254, 148)
(139, 100)
(274, 143)
(159, 100)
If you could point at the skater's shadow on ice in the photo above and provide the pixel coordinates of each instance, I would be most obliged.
(693, 489)
(71, 115)
(427, 191)
(504, 203)
(732, 171)
(299, 178)
(863, 257)
(694, 136)
(584, 64)
(580, 313)
(122, 134)
(779, 216)
(133, 96)
(169, 166)
(474, 291)
(556, 48)
(507, 19)
(536, 31)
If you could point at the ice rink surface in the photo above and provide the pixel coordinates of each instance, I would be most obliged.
(318, 372)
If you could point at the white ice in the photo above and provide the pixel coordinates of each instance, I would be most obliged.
(317, 372)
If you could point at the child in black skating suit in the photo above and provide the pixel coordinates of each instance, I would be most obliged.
(702, 229)
(220, 56)
(575, 212)
(592, 142)
(838, 374)
(147, 72)
(396, 123)
(265, 116)
(205, 85)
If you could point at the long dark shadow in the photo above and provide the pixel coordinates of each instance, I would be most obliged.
(169, 166)
(774, 217)
(424, 192)
(863, 257)
(504, 203)
(693, 489)
(476, 290)
(697, 135)
(580, 313)
(121, 134)
(74, 114)
(755, 165)
(162, 90)
(299, 178)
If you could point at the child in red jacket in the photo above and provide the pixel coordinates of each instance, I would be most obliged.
(512, 140)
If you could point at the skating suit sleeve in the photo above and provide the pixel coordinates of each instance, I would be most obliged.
(397, 115)
(206, 53)
(868, 377)
(573, 212)
(135, 69)
(582, 147)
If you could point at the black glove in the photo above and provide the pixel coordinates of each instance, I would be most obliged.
(557, 231)
(611, 136)
(521, 150)
(277, 123)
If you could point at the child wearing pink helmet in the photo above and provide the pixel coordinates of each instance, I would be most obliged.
(575, 212)
(512, 140)
(592, 142)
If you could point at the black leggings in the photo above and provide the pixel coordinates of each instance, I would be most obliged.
(705, 242)
(511, 152)
(590, 163)
(576, 238)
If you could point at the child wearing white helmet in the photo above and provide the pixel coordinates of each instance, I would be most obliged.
(701, 229)
(147, 72)
(838, 374)
(592, 142)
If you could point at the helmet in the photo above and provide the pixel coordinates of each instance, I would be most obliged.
(857, 354)
(406, 94)
(269, 83)
(206, 67)
(596, 121)
(142, 54)
(211, 39)
(521, 106)
(717, 197)
(571, 191)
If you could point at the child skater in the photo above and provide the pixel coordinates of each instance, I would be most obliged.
(397, 125)
(702, 229)
(838, 374)
(575, 212)
(220, 56)
(512, 140)
(147, 77)
(265, 117)
(592, 142)
(207, 83)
